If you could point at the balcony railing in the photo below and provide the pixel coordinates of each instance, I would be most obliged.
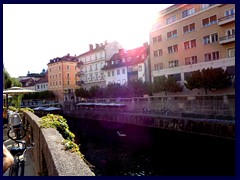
(226, 19)
(227, 39)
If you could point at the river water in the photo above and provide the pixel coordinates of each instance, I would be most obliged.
(151, 151)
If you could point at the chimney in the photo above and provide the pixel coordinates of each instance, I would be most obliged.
(97, 46)
(90, 47)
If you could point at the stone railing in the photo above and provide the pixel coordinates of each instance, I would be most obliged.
(48, 154)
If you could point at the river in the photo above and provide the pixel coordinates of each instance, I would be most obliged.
(117, 149)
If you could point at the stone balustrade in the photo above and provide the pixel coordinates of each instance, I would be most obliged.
(48, 154)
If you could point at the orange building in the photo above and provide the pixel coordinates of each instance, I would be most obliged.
(62, 77)
(190, 37)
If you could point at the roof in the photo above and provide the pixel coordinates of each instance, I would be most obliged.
(127, 58)
(98, 48)
(42, 80)
(64, 58)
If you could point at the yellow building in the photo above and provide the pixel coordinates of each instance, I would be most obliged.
(188, 37)
(62, 78)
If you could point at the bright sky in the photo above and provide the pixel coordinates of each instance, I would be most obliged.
(35, 33)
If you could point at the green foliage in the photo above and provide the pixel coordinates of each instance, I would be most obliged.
(26, 109)
(164, 84)
(209, 79)
(81, 92)
(39, 95)
(72, 147)
(59, 123)
(9, 81)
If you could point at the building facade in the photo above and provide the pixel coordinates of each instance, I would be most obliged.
(92, 62)
(62, 77)
(127, 65)
(190, 37)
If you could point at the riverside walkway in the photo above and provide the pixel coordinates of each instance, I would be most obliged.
(29, 165)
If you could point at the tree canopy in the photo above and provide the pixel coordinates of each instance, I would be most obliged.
(208, 79)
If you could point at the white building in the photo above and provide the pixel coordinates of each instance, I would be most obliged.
(92, 62)
(128, 65)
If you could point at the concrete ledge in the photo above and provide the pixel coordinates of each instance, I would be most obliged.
(49, 156)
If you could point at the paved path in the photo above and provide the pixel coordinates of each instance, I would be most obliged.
(29, 165)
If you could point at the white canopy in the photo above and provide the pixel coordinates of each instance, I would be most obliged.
(17, 90)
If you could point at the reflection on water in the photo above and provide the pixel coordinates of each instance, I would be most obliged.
(152, 152)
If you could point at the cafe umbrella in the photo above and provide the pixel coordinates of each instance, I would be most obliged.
(16, 91)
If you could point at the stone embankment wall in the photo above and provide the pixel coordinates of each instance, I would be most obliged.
(222, 104)
(218, 128)
(48, 154)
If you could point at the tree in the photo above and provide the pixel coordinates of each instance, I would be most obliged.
(9, 81)
(209, 79)
(81, 92)
(164, 84)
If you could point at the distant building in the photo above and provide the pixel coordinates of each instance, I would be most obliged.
(128, 65)
(190, 37)
(92, 62)
(42, 84)
(29, 82)
(62, 77)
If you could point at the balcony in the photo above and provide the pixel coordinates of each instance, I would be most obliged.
(226, 19)
(227, 39)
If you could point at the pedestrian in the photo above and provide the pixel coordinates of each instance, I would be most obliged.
(7, 159)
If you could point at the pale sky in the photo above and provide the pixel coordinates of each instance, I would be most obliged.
(35, 33)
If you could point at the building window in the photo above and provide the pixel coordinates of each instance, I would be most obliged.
(173, 64)
(211, 56)
(139, 68)
(90, 68)
(59, 83)
(158, 66)
(96, 76)
(123, 71)
(157, 53)
(230, 32)
(108, 74)
(172, 34)
(209, 21)
(112, 73)
(188, 12)
(68, 67)
(68, 75)
(118, 72)
(189, 28)
(230, 12)
(191, 60)
(96, 67)
(123, 81)
(171, 19)
(157, 39)
(231, 52)
(172, 49)
(68, 82)
(210, 38)
(190, 44)
(205, 6)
